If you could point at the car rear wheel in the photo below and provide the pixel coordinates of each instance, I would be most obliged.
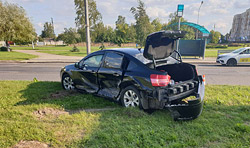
(231, 62)
(67, 82)
(130, 97)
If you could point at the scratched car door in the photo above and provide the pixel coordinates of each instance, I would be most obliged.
(110, 75)
(88, 74)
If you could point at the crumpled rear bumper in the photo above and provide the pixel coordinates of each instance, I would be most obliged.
(190, 109)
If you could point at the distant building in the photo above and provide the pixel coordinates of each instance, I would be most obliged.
(49, 41)
(2, 43)
(241, 27)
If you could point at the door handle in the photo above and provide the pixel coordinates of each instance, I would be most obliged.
(92, 71)
(116, 74)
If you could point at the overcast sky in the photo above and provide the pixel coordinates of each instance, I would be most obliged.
(218, 13)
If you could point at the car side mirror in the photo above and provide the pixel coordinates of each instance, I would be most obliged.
(77, 65)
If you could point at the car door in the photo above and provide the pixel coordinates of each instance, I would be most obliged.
(88, 73)
(244, 57)
(110, 75)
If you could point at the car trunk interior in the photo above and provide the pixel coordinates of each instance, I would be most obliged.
(179, 72)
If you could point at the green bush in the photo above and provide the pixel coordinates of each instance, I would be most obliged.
(235, 45)
(102, 47)
(75, 49)
(4, 48)
(216, 46)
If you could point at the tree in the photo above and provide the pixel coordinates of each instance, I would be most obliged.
(48, 31)
(102, 33)
(173, 18)
(143, 26)
(156, 24)
(14, 24)
(70, 36)
(94, 15)
(121, 31)
(131, 35)
(214, 36)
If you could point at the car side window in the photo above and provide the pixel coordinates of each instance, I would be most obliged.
(113, 60)
(246, 51)
(94, 61)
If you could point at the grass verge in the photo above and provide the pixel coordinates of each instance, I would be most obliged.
(65, 50)
(16, 56)
(225, 121)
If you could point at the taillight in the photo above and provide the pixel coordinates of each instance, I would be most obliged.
(159, 80)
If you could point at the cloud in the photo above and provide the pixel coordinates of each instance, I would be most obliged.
(219, 12)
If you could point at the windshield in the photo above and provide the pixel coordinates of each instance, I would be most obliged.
(239, 50)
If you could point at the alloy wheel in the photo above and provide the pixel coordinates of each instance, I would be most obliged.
(68, 83)
(131, 99)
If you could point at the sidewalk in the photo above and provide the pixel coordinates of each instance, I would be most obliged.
(52, 58)
(49, 58)
(208, 60)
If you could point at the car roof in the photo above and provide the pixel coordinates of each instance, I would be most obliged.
(130, 51)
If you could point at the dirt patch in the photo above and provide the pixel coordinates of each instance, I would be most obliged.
(90, 110)
(49, 112)
(247, 123)
(31, 144)
(62, 93)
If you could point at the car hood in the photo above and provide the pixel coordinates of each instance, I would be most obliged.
(71, 66)
(227, 54)
(160, 45)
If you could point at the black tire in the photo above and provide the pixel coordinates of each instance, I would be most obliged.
(67, 82)
(130, 97)
(231, 62)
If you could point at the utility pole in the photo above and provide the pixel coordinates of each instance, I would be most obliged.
(196, 35)
(52, 22)
(88, 42)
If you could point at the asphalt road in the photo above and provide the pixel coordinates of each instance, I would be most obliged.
(215, 74)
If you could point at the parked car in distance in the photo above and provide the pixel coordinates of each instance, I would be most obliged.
(238, 56)
(150, 78)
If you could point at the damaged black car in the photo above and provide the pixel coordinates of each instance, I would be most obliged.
(151, 78)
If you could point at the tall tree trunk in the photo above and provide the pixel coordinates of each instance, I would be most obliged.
(7, 45)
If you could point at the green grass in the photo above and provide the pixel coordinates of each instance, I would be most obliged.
(65, 50)
(17, 56)
(213, 52)
(61, 50)
(225, 121)
(82, 52)
(48, 48)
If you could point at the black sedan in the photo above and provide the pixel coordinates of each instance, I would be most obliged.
(150, 78)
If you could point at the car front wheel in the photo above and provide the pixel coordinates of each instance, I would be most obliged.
(231, 62)
(67, 82)
(130, 97)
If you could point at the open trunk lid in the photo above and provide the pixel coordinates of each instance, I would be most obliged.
(160, 45)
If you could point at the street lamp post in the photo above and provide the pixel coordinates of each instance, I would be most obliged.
(180, 10)
(196, 35)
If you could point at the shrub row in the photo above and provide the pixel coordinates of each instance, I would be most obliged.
(4, 48)
(216, 46)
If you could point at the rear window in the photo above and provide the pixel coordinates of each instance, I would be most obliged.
(141, 58)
